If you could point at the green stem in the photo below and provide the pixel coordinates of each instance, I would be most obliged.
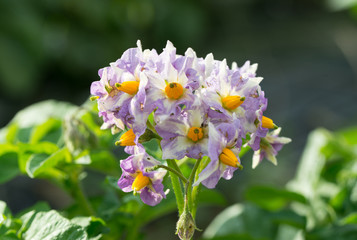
(179, 174)
(78, 194)
(188, 188)
(174, 165)
(176, 185)
(243, 151)
(133, 230)
(195, 192)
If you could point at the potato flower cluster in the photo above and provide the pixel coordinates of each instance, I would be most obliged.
(196, 106)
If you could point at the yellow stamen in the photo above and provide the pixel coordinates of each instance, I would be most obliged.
(140, 182)
(174, 90)
(195, 134)
(232, 102)
(129, 87)
(127, 139)
(267, 123)
(227, 157)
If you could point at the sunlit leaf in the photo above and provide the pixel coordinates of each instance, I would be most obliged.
(45, 129)
(350, 219)
(51, 225)
(39, 113)
(39, 163)
(241, 220)
(94, 226)
(12, 130)
(311, 164)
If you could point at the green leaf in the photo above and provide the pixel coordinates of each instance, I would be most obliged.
(148, 213)
(51, 126)
(109, 204)
(27, 150)
(4, 210)
(350, 219)
(83, 158)
(288, 217)
(152, 147)
(9, 235)
(349, 135)
(42, 147)
(39, 113)
(333, 232)
(39, 163)
(311, 164)
(291, 233)
(23, 134)
(93, 226)
(8, 225)
(8, 162)
(271, 198)
(12, 130)
(51, 225)
(28, 215)
(3, 132)
(105, 162)
(246, 220)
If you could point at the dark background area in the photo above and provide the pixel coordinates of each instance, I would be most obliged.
(306, 51)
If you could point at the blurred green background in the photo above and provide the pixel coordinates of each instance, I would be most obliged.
(306, 51)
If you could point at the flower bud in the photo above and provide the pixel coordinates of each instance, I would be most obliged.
(185, 227)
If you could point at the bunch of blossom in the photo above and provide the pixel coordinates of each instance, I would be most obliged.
(197, 107)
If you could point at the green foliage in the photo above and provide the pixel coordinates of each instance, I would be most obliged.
(65, 144)
(271, 198)
(40, 222)
(319, 203)
(9, 162)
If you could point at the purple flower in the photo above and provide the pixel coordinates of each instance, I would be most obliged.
(223, 149)
(172, 84)
(226, 94)
(122, 89)
(269, 147)
(185, 135)
(257, 131)
(136, 178)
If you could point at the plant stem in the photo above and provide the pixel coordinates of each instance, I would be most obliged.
(195, 192)
(188, 188)
(175, 166)
(78, 194)
(176, 185)
(243, 151)
(179, 174)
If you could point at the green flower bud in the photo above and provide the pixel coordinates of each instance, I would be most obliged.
(185, 227)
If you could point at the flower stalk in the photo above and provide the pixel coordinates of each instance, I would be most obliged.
(170, 169)
(176, 185)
